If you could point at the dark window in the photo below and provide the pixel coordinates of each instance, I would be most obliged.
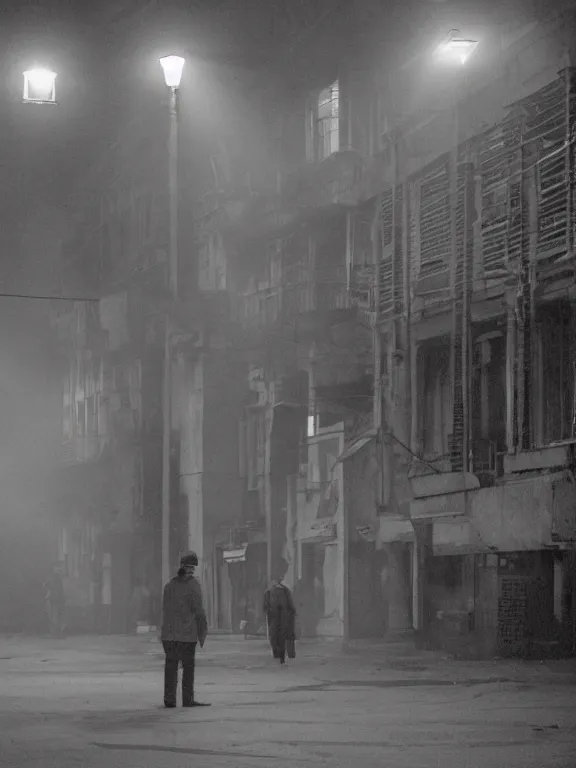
(446, 571)
(435, 416)
(557, 331)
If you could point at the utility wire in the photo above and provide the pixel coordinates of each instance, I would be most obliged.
(37, 297)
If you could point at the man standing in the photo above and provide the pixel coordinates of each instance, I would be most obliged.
(281, 615)
(183, 626)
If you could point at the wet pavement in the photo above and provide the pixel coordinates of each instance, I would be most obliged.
(96, 702)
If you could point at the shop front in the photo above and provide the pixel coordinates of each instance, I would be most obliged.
(496, 572)
(241, 588)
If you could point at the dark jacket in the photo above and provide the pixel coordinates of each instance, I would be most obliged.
(183, 616)
(281, 613)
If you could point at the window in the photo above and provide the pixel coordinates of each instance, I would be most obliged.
(446, 571)
(489, 388)
(324, 125)
(557, 370)
(312, 425)
(435, 413)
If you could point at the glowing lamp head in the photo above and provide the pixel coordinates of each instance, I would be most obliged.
(456, 49)
(172, 67)
(40, 86)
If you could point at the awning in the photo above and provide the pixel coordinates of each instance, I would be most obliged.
(237, 555)
(447, 505)
(393, 530)
(357, 444)
(456, 537)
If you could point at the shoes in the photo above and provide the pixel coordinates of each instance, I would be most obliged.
(197, 704)
(169, 705)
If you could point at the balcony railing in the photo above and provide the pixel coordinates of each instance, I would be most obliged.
(335, 181)
(362, 286)
(322, 291)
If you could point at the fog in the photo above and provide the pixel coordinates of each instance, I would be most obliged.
(30, 434)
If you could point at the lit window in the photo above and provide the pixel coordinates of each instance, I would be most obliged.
(311, 426)
(328, 121)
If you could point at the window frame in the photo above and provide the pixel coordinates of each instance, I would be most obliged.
(323, 129)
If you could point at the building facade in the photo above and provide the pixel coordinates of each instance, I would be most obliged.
(372, 357)
(402, 297)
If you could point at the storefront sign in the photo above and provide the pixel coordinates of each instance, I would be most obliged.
(235, 555)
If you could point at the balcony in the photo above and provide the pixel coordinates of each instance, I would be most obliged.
(487, 461)
(362, 282)
(220, 209)
(83, 449)
(249, 211)
(77, 326)
(324, 291)
(335, 182)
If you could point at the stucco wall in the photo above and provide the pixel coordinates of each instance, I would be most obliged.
(522, 515)
(332, 623)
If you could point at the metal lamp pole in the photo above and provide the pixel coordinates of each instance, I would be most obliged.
(172, 66)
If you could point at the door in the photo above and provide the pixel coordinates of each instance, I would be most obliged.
(365, 610)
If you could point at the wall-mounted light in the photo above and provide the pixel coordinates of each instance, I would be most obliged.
(39, 86)
(456, 49)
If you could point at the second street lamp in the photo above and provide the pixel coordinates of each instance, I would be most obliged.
(172, 67)
(455, 49)
(39, 86)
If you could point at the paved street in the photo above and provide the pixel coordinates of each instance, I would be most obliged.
(94, 702)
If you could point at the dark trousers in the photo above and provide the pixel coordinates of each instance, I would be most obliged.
(177, 653)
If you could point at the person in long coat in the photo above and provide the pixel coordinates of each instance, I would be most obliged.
(183, 627)
(280, 613)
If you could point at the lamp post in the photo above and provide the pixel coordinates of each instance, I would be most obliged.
(39, 86)
(456, 51)
(172, 67)
(453, 52)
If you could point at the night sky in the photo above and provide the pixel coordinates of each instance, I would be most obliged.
(101, 51)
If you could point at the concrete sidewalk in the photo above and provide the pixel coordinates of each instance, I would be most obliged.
(316, 660)
(97, 702)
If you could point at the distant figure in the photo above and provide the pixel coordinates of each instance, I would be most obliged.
(183, 626)
(280, 613)
(55, 601)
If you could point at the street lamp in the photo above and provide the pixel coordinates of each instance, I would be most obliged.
(172, 67)
(455, 49)
(39, 86)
